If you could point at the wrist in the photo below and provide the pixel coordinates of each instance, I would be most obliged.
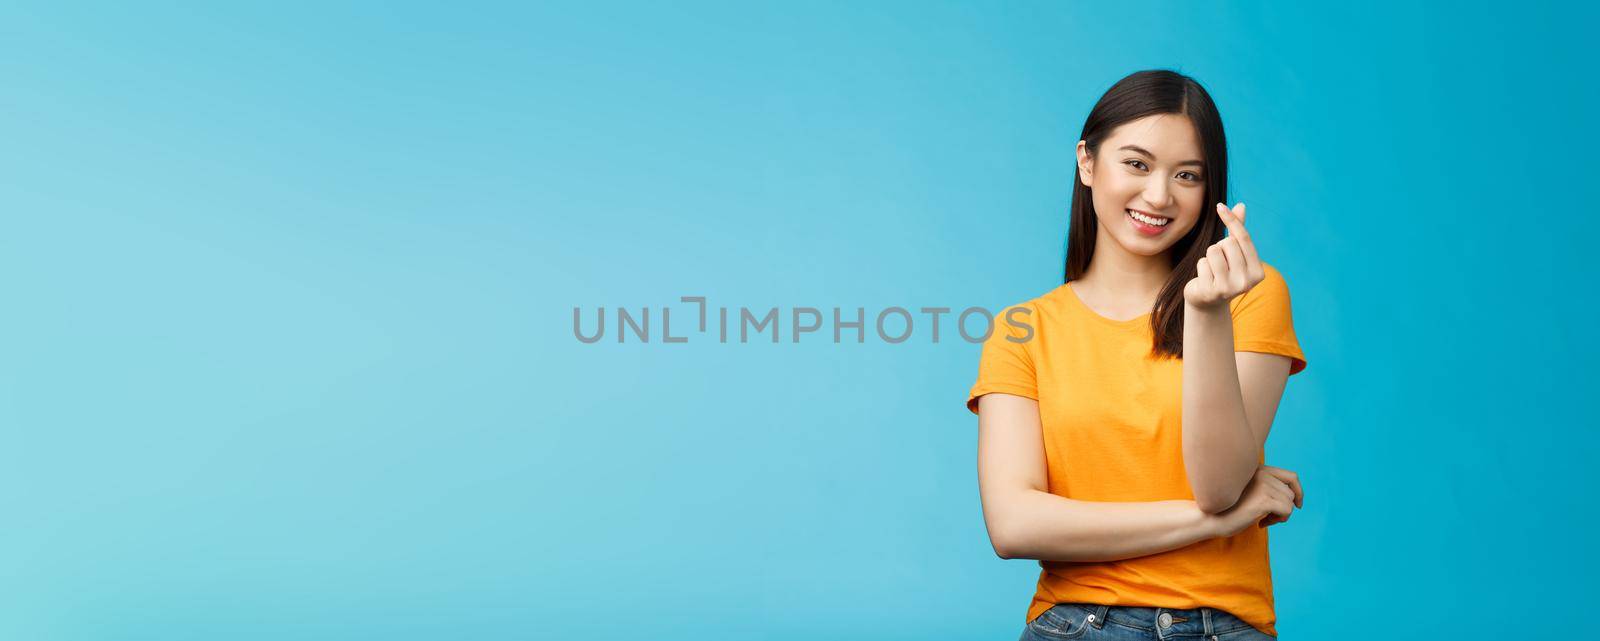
(1218, 309)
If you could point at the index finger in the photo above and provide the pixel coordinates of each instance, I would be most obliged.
(1232, 220)
(1236, 229)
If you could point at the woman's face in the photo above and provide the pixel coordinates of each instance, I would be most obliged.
(1151, 167)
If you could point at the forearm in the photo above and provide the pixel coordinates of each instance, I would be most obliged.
(1220, 451)
(1044, 526)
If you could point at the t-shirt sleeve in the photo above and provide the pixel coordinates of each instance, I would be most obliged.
(1006, 365)
(1262, 321)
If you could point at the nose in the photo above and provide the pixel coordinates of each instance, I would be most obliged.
(1157, 192)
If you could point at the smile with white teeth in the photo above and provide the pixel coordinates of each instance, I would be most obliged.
(1149, 220)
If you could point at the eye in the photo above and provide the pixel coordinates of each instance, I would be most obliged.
(1136, 164)
(1192, 177)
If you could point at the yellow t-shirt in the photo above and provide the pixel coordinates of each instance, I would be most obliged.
(1111, 414)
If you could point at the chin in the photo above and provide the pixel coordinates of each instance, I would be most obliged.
(1144, 247)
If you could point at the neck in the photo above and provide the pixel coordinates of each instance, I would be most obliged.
(1121, 275)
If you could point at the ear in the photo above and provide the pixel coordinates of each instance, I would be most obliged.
(1085, 165)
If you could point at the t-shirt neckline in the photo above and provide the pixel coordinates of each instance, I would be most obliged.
(1073, 294)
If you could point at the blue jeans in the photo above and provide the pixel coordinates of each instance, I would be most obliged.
(1119, 623)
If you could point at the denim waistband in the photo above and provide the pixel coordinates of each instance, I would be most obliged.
(1165, 622)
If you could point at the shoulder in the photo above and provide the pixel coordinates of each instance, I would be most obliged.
(1049, 303)
(1272, 274)
(1272, 278)
(1022, 318)
(1273, 287)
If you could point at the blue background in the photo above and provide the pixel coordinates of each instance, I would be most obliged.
(288, 345)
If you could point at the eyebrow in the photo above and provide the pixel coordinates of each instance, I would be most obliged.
(1138, 149)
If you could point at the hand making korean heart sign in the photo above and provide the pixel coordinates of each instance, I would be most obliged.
(1229, 268)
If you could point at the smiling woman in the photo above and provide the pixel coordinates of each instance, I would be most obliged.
(1123, 446)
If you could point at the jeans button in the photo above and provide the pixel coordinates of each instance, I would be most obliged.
(1165, 620)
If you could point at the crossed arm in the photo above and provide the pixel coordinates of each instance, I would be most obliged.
(1025, 520)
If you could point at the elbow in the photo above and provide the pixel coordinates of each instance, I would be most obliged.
(1214, 495)
(1216, 500)
(1004, 541)
(1011, 553)
(1003, 547)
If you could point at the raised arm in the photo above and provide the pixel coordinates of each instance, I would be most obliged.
(1026, 521)
(1229, 398)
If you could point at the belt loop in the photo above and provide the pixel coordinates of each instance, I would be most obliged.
(1205, 616)
(1100, 617)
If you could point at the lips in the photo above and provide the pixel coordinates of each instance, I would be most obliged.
(1152, 218)
(1154, 227)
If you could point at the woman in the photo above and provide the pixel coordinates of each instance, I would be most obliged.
(1122, 415)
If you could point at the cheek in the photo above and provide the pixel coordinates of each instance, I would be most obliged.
(1112, 194)
(1120, 185)
(1189, 206)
